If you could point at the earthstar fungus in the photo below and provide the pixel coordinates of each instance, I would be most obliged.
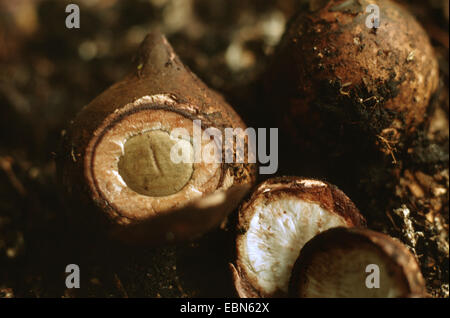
(281, 215)
(331, 73)
(335, 262)
(116, 153)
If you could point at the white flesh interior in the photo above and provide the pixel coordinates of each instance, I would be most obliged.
(342, 273)
(277, 232)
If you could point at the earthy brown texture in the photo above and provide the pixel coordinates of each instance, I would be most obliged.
(330, 69)
(325, 195)
(161, 94)
(402, 270)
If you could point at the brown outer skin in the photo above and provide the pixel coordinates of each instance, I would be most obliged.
(393, 249)
(158, 71)
(329, 198)
(332, 44)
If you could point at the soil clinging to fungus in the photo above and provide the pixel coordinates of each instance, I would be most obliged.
(279, 218)
(333, 74)
(334, 264)
(116, 153)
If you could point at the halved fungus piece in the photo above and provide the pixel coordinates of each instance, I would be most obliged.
(343, 262)
(276, 222)
(143, 160)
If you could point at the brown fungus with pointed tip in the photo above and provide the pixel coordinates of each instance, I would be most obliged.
(339, 81)
(281, 215)
(117, 153)
(340, 263)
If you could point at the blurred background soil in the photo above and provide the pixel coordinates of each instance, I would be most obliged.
(48, 72)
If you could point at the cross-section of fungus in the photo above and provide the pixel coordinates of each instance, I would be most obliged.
(119, 152)
(274, 224)
(344, 262)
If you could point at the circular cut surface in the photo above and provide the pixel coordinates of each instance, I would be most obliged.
(147, 168)
(342, 273)
(107, 178)
(353, 263)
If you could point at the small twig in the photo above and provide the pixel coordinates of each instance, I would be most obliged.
(341, 90)
(119, 286)
(390, 149)
(6, 165)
